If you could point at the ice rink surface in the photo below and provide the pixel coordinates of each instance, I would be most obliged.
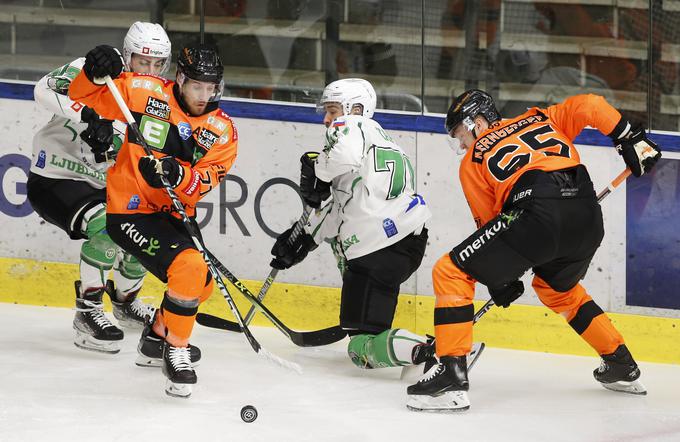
(53, 391)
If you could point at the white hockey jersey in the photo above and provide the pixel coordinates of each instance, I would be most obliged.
(58, 151)
(373, 202)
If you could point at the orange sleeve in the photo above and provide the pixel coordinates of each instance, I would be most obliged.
(98, 97)
(210, 170)
(479, 195)
(579, 111)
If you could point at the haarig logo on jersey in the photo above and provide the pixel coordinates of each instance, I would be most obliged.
(206, 138)
(157, 108)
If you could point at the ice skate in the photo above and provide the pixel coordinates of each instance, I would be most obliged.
(150, 349)
(177, 368)
(619, 372)
(132, 312)
(93, 330)
(442, 389)
(425, 354)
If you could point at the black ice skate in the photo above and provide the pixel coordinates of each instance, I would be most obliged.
(150, 348)
(425, 354)
(132, 312)
(177, 368)
(619, 372)
(93, 330)
(443, 388)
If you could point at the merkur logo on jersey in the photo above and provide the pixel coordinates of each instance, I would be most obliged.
(482, 238)
(130, 230)
(157, 108)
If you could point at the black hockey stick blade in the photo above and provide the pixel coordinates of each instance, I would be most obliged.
(315, 338)
(211, 321)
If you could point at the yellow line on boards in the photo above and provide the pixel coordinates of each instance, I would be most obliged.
(653, 339)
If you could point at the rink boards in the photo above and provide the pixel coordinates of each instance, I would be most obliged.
(240, 220)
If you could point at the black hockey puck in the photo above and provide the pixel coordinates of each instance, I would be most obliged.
(248, 413)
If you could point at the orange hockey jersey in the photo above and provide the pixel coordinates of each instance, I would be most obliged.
(538, 139)
(205, 146)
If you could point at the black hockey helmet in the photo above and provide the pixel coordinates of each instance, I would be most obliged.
(200, 62)
(467, 106)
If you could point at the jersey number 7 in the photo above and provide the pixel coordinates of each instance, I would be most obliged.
(398, 164)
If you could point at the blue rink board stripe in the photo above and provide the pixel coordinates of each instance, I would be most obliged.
(307, 114)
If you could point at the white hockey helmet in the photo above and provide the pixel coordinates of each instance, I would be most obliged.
(147, 39)
(350, 92)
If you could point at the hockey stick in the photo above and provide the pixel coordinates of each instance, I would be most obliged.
(302, 339)
(272, 274)
(614, 184)
(177, 205)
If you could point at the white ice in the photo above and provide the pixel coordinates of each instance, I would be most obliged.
(51, 390)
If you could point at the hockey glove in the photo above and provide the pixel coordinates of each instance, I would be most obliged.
(153, 168)
(99, 132)
(286, 255)
(639, 152)
(102, 61)
(313, 190)
(507, 294)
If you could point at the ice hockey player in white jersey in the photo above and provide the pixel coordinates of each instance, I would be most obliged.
(66, 187)
(375, 219)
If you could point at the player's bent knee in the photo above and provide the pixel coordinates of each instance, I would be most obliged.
(98, 249)
(186, 274)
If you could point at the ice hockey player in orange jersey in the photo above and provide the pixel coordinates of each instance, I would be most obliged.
(194, 145)
(535, 208)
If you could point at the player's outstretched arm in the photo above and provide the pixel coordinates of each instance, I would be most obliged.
(87, 87)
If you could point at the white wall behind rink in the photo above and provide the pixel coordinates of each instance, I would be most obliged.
(271, 149)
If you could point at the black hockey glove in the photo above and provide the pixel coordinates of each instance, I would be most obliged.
(99, 132)
(102, 61)
(313, 190)
(286, 255)
(152, 168)
(639, 152)
(507, 294)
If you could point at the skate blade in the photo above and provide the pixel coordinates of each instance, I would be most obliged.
(87, 342)
(177, 390)
(449, 402)
(143, 361)
(634, 387)
(475, 353)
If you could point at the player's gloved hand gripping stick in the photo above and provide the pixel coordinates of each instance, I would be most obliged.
(189, 225)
